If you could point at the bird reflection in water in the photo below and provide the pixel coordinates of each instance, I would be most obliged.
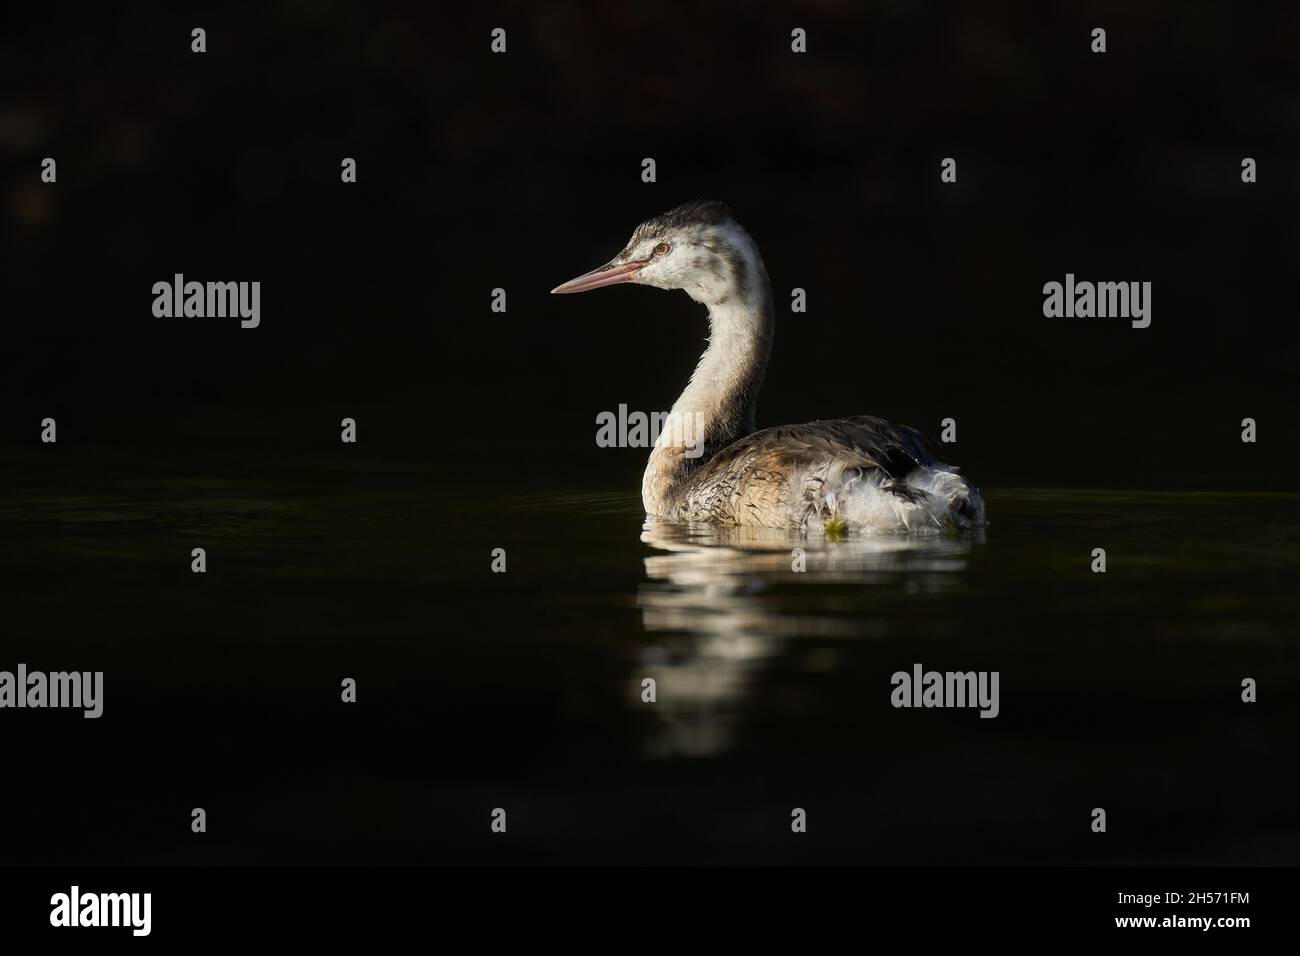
(721, 605)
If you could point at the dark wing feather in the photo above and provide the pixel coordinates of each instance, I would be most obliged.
(869, 441)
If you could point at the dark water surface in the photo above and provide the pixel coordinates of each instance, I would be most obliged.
(522, 690)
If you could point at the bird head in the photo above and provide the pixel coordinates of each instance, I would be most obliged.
(696, 247)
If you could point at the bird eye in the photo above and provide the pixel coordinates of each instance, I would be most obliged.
(662, 249)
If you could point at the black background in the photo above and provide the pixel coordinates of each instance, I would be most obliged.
(518, 171)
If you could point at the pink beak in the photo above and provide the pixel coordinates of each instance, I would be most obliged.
(596, 278)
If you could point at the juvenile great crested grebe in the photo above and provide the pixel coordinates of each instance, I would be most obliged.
(862, 473)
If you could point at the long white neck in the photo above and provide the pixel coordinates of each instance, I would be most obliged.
(718, 404)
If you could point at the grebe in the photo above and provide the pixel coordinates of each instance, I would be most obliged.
(860, 473)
